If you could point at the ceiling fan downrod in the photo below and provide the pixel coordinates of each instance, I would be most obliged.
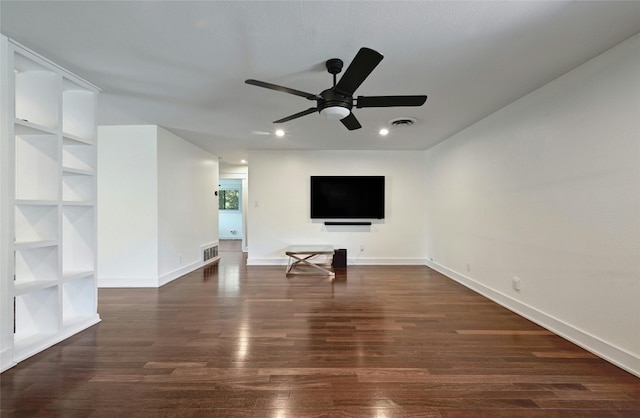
(334, 66)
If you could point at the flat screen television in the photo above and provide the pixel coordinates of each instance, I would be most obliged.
(348, 197)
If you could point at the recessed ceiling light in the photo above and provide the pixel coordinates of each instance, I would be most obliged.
(279, 132)
(243, 161)
(384, 132)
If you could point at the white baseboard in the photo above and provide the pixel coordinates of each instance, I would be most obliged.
(360, 261)
(23, 351)
(109, 282)
(6, 359)
(591, 343)
(172, 275)
(152, 282)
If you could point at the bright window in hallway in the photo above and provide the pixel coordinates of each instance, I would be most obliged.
(229, 200)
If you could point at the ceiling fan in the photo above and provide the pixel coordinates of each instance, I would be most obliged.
(336, 102)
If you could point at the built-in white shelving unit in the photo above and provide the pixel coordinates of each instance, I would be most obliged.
(48, 209)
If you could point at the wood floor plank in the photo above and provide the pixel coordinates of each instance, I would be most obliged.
(378, 341)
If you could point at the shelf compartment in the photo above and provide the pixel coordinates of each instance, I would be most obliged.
(78, 111)
(51, 134)
(80, 157)
(38, 97)
(31, 202)
(28, 287)
(36, 264)
(78, 239)
(36, 316)
(36, 167)
(78, 186)
(36, 223)
(70, 139)
(30, 245)
(78, 300)
(84, 203)
(77, 274)
(82, 171)
(23, 127)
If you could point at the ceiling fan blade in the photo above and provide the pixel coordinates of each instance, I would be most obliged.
(297, 115)
(362, 65)
(282, 89)
(350, 122)
(390, 101)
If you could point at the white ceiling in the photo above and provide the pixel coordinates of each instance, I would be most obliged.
(182, 64)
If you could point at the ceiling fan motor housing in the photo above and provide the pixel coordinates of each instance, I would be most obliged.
(331, 98)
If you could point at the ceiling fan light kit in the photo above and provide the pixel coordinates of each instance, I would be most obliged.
(335, 112)
(336, 102)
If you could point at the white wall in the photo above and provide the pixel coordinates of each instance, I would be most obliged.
(548, 190)
(278, 206)
(187, 204)
(127, 205)
(156, 206)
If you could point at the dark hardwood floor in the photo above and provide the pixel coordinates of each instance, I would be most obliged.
(378, 341)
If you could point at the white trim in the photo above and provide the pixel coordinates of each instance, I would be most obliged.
(213, 260)
(23, 353)
(37, 57)
(175, 274)
(6, 359)
(282, 261)
(396, 261)
(152, 282)
(591, 343)
(110, 282)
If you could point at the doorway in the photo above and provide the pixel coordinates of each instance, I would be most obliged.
(232, 211)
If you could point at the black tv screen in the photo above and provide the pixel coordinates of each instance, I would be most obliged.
(348, 197)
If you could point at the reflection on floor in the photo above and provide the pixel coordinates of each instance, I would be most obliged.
(231, 340)
(230, 245)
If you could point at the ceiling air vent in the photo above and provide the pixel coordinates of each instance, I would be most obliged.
(400, 122)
